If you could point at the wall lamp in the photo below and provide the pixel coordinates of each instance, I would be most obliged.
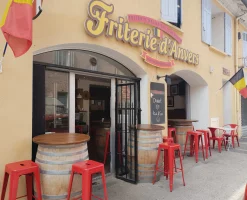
(168, 80)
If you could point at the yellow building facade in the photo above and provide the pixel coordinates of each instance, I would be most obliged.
(191, 50)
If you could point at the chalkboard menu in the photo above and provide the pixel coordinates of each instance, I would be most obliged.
(157, 103)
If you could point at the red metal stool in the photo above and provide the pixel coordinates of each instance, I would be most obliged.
(195, 138)
(87, 169)
(174, 135)
(169, 160)
(17, 169)
(245, 193)
(168, 139)
(107, 150)
(206, 141)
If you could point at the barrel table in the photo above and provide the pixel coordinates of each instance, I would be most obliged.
(181, 126)
(55, 156)
(149, 137)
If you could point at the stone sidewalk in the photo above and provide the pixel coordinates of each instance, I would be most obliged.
(222, 177)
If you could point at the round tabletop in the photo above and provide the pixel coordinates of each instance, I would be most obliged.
(61, 139)
(149, 127)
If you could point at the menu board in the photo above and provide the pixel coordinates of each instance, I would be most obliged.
(157, 94)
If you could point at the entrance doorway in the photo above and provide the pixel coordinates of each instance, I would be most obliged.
(177, 98)
(81, 94)
(92, 115)
(188, 98)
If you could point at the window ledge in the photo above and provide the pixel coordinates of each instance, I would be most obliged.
(217, 51)
(172, 26)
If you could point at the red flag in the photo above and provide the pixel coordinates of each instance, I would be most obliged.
(16, 25)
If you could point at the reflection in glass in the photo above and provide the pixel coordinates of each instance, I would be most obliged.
(84, 60)
(56, 102)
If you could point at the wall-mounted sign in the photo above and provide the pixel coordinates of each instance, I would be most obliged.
(155, 62)
(157, 103)
(155, 23)
(99, 23)
(226, 72)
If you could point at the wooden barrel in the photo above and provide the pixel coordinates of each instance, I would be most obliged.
(100, 140)
(148, 142)
(55, 164)
(181, 134)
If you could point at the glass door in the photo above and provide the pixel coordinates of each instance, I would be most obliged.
(56, 101)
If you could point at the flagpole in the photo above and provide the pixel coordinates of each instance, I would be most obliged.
(5, 48)
(230, 78)
(1, 60)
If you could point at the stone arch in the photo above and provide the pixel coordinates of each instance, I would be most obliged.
(197, 99)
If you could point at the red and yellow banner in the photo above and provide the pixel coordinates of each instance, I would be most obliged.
(155, 62)
(16, 25)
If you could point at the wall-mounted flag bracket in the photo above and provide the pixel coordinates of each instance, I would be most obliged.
(38, 14)
(1, 60)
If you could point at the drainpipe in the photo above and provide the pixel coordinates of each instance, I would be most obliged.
(237, 99)
(236, 67)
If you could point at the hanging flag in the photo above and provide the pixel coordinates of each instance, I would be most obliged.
(16, 25)
(239, 81)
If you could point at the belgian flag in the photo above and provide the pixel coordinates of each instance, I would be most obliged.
(158, 33)
(239, 81)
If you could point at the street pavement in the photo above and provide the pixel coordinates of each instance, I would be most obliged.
(221, 177)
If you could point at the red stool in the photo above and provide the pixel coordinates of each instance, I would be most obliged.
(169, 160)
(168, 139)
(245, 193)
(174, 135)
(195, 138)
(87, 169)
(17, 169)
(206, 141)
(107, 150)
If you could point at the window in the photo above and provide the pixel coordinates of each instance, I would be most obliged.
(84, 60)
(171, 11)
(244, 61)
(216, 27)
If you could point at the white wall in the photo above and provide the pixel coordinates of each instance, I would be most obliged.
(199, 99)
(198, 105)
(187, 101)
(227, 109)
(218, 36)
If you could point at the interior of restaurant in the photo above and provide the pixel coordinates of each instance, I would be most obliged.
(177, 98)
(92, 106)
(93, 114)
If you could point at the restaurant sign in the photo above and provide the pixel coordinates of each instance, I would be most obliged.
(99, 23)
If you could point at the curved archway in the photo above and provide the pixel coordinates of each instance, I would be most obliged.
(197, 98)
(192, 78)
(114, 55)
